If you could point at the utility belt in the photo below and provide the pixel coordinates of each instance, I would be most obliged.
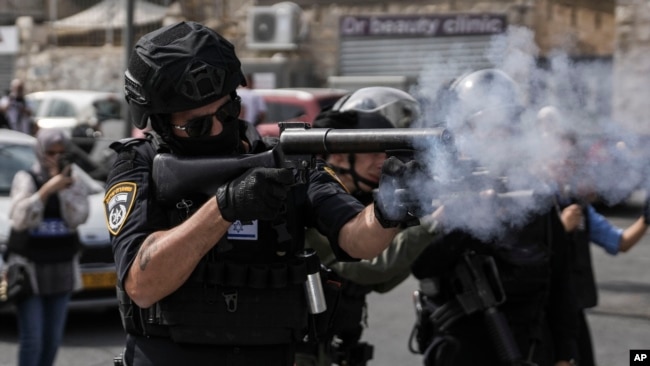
(241, 304)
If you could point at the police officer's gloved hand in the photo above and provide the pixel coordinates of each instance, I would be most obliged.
(393, 201)
(258, 194)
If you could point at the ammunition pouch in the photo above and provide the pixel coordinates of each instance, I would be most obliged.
(268, 307)
(241, 316)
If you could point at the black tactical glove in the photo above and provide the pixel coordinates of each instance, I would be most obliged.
(646, 211)
(258, 194)
(394, 205)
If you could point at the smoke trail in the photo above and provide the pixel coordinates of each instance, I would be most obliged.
(551, 135)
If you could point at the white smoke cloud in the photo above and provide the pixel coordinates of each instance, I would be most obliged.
(564, 139)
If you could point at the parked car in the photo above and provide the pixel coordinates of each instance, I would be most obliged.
(97, 265)
(295, 104)
(87, 114)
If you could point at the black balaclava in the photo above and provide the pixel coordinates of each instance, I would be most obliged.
(226, 143)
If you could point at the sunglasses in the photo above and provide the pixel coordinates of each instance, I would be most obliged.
(201, 126)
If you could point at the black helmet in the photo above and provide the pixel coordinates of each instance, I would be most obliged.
(179, 67)
(488, 94)
(371, 107)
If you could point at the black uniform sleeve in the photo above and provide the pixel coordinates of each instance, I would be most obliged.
(331, 206)
(131, 212)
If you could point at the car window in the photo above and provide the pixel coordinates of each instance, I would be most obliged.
(276, 112)
(60, 108)
(106, 109)
(34, 104)
(14, 158)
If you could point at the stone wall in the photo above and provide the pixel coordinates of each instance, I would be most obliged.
(577, 31)
(632, 65)
(94, 68)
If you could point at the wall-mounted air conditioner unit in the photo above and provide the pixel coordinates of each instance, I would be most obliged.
(275, 27)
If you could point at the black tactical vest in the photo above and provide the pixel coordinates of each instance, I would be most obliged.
(243, 292)
(52, 241)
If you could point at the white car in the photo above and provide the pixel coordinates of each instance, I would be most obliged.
(97, 265)
(85, 113)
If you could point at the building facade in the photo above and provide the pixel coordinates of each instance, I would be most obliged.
(418, 43)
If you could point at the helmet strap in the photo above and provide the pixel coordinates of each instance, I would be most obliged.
(356, 178)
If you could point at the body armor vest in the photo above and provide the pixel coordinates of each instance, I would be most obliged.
(243, 292)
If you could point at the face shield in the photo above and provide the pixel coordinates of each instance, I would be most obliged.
(397, 106)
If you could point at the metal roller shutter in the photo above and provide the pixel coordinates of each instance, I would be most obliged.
(434, 58)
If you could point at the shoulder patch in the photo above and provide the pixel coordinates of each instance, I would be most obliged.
(118, 203)
(331, 172)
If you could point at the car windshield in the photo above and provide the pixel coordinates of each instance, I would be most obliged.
(34, 104)
(106, 109)
(14, 158)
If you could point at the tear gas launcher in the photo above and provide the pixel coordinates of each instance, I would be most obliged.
(298, 148)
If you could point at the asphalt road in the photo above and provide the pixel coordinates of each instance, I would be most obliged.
(620, 322)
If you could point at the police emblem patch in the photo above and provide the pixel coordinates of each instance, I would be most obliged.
(118, 202)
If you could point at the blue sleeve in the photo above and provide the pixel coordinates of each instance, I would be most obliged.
(603, 233)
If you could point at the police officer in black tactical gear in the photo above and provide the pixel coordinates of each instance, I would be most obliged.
(502, 298)
(218, 279)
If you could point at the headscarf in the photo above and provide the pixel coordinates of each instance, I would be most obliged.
(45, 138)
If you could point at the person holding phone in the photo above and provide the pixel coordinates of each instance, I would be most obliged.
(48, 203)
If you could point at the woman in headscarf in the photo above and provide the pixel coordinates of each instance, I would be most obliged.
(49, 202)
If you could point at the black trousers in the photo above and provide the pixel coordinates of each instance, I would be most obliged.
(585, 346)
